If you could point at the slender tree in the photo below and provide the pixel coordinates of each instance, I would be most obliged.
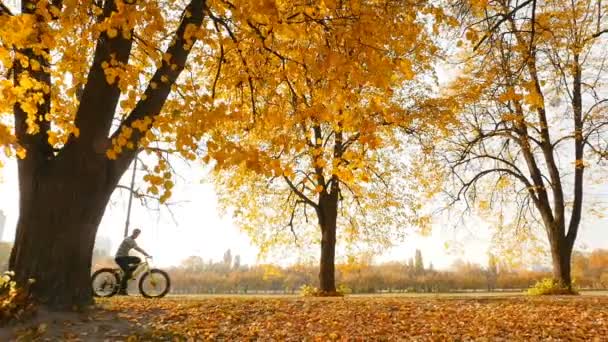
(322, 152)
(533, 100)
(237, 262)
(492, 272)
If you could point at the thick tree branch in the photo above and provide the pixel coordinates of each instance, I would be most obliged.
(299, 193)
(38, 148)
(579, 145)
(504, 17)
(558, 214)
(163, 79)
(597, 34)
(99, 98)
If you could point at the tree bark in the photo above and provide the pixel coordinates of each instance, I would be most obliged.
(328, 213)
(60, 207)
(561, 254)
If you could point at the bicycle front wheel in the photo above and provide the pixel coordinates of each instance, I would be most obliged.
(105, 282)
(154, 284)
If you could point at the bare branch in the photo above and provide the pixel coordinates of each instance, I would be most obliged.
(504, 17)
(300, 194)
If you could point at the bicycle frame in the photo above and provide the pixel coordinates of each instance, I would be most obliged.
(143, 267)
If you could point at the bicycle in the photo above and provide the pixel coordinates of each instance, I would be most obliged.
(153, 283)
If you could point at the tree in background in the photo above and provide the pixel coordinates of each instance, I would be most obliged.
(492, 271)
(361, 275)
(580, 269)
(598, 266)
(193, 264)
(237, 262)
(410, 263)
(316, 144)
(419, 263)
(533, 101)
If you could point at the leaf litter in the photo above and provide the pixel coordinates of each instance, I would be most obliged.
(561, 318)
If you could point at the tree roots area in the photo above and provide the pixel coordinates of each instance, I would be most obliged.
(518, 318)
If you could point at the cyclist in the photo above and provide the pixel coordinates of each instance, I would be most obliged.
(125, 261)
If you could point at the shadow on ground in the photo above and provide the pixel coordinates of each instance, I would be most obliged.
(94, 324)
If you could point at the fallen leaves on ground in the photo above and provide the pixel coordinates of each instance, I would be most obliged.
(15, 301)
(368, 318)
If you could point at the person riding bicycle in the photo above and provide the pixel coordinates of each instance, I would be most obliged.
(124, 260)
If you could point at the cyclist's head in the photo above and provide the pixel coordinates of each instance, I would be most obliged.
(135, 233)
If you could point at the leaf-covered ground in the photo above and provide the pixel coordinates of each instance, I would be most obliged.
(351, 318)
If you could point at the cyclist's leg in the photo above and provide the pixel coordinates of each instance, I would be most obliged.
(128, 265)
(123, 262)
(133, 262)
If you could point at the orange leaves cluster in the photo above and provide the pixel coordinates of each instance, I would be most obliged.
(120, 142)
(15, 31)
(327, 319)
(120, 22)
(65, 38)
(19, 32)
(160, 180)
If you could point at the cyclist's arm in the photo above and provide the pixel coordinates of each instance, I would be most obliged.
(137, 248)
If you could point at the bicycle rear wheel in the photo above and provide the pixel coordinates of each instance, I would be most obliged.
(105, 282)
(154, 284)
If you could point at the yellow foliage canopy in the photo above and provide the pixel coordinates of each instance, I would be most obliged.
(265, 67)
(321, 109)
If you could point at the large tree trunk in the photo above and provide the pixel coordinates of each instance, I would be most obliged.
(61, 205)
(328, 213)
(561, 254)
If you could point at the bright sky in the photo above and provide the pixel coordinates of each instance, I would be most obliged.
(199, 229)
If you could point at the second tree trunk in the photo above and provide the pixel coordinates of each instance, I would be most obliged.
(328, 213)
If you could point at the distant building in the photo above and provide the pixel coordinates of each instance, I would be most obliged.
(2, 223)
